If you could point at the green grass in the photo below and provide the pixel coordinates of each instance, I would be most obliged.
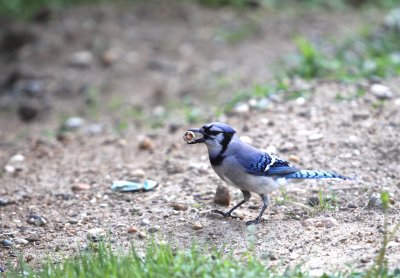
(372, 54)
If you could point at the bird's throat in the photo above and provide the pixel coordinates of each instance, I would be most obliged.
(219, 157)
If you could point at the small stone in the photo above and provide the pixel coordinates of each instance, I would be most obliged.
(4, 201)
(315, 136)
(365, 260)
(73, 221)
(81, 59)
(241, 108)
(381, 92)
(294, 158)
(374, 202)
(27, 113)
(179, 206)
(132, 230)
(73, 123)
(154, 229)
(145, 222)
(109, 57)
(96, 234)
(197, 226)
(9, 169)
(138, 173)
(146, 144)
(22, 241)
(329, 222)
(273, 257)
(222, 196)
(17, 158)
(36, 220)
(94, 129)
(351, 205)
(313, 201)
(361, 115)
(142, 235)
(7, 243)
(288, 147)
(80, 187)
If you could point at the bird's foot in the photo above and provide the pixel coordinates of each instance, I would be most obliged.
(224, 214)
(253, 222)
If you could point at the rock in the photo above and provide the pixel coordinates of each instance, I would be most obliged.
(351, 205)
(4, 201)
(197, 226)
(9, 169)
(222, 196)
(361, 115)
(154, 229)
(365, 260)
(315, 137)
(142, 235)
(138, 173)
(329, 222)
(241, 108)
(36, 220)
(96, 234)
(81, 59)
(294, 158)
(2, 269)
(22, 241)
(145, 222)
(94, 129)
(273, 257)
(313, 201)
(179, 206)
(27, 113)
(132, 230)
(381, 92)
(18, 158)
(173, 168)
(7, 243)
(109, 57)
(146, 143)
(287, 147)
(72, 123)
(375, 203)
(392, 19)
(73, 221)
(80, 187)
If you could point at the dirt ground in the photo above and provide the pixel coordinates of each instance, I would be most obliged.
(150, 56)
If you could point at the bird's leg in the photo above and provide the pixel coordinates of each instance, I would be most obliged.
(265, 200)
(246, 197)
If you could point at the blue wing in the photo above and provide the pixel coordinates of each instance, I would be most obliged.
(265, 165)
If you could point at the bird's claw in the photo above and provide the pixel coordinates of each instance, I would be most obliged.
(224, 214)
(253, 222)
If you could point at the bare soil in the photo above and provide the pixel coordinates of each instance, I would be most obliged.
(163, 54)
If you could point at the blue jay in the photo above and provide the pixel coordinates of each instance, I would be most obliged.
(246, 167)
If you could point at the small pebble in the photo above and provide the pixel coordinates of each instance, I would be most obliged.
(132, 230)
(222, 196)
(73, 123)
(179, 206)
(7, 243)
(381, 92)
(17, 158)
(146, 144)
(4, 201)
(154, 229)
(142, 235)
(197, 226)
(96, 234)
(374, 202)
(145, 222)
(109, 57)
(36, 220)
(81, 59)
(80, 187)
(138, 173)
(22, 241)
(315, 136)
(73, 221)
(294, 158)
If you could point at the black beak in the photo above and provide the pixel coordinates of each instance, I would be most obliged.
(199, 140)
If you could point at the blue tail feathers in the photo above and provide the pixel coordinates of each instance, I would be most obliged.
(311, 174)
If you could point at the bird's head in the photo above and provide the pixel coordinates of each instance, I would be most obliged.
(214, 134)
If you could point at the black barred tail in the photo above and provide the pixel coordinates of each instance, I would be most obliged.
(310, 174)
